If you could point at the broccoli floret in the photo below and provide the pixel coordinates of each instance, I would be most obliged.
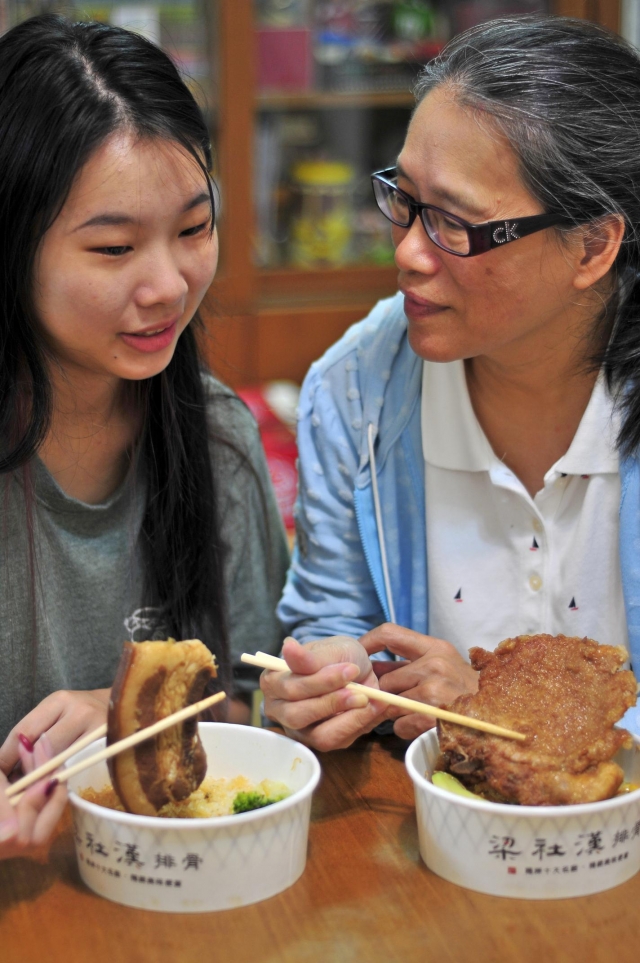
(244, 802)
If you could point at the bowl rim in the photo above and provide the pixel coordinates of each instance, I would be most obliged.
(507, 809)
(175, 822)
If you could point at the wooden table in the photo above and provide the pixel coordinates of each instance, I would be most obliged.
(365, 896)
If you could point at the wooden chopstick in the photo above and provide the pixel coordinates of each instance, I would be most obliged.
(51, 764)
(140, 736)
(265, 661)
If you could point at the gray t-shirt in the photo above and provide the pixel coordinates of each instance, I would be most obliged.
(85, 575)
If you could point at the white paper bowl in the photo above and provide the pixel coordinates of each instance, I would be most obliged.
(527, 852)
(197, 865)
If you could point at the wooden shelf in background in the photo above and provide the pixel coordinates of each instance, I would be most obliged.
(295, 317)
(605, 12)
(341, 285)
(329, 100)
(272, 324)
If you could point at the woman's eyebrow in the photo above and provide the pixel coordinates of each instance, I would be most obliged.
(109, 219)
(202, 198)
(106, 220)
(448, 197)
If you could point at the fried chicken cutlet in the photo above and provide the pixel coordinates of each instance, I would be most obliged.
(565, 694)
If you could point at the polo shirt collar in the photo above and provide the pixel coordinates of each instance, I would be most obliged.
(452, 437)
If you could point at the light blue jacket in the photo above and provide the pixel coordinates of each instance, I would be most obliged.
(336, 583)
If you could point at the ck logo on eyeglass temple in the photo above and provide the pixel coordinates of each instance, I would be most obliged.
(510, 232)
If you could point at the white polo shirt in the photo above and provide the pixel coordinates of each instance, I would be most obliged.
(500, 562)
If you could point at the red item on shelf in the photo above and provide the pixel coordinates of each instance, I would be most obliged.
(280, 449)
(285, 60)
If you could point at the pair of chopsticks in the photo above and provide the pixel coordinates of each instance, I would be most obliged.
(16, 789)
(265, 661)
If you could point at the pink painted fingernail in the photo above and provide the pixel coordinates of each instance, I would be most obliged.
(51, 785)
(25, 741)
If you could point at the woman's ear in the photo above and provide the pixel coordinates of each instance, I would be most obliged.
(597, 250)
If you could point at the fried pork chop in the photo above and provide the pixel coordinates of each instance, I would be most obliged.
(565, 694)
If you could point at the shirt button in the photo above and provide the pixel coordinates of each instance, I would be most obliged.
(535, 582)
(537, 525)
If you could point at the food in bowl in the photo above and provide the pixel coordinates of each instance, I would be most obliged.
(214, 797)
(444, 780)
(527, 852)
(565, 694)
(153, 680)
(198, 865)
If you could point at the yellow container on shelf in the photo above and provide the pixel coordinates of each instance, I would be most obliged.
(321, 225)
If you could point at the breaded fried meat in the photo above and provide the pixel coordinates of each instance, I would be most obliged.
(565, 694)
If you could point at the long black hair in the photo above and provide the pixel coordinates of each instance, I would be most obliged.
(64, 88)
(566, 93)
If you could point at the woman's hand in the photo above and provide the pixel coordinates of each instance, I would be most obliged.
(30, 824)
(63, 717)
(434, 672)
(311, 702)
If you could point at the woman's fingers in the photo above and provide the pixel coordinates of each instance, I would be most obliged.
(400, 641)
(53, 725)
(411, 726)
(49, 816)
(311, 701)
(27, 812)
(82, 712)
(29, 729)
(63, 716)
(314, 688)
(340, 731)
(8, 817)
(69, 728)
(286, 685)
(26, 752)
(409, 675)
(309, 711)
(432, 671)
(435, 686)
(382, 668)
(38, 813)
(33, 820)
(313, 656)
(435, 681)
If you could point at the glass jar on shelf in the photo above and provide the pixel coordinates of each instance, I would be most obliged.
(321, 227)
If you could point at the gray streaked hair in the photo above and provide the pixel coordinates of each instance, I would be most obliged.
(566, 94)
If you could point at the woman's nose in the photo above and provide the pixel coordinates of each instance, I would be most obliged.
(164, 281)
(415, 251)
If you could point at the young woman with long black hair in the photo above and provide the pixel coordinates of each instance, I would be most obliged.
(135, 497)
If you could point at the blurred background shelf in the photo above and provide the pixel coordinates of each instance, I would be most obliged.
(271, 315)
(304, 99)
(278, 100)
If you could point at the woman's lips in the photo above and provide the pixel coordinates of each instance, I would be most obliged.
(416, 307)
(156, 340)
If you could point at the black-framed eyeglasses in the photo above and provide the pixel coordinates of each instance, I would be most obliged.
(447, 231)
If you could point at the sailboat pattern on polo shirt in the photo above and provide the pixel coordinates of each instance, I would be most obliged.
(522, 563)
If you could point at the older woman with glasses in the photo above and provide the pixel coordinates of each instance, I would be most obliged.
(468, 452)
